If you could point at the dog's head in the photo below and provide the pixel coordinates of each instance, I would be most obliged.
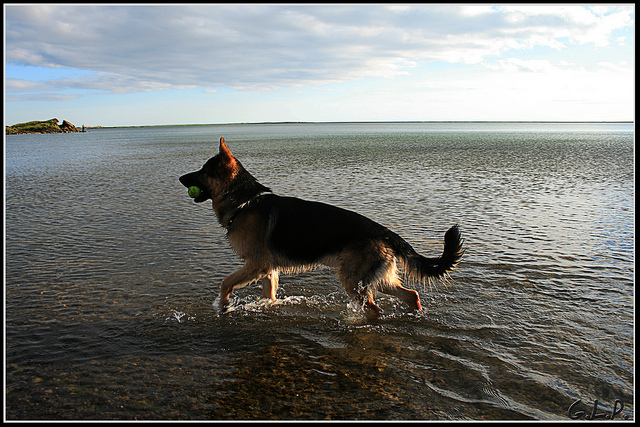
(216, 176)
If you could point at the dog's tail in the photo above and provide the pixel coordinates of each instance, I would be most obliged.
(420, 268)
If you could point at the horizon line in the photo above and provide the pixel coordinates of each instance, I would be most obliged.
(363, 122)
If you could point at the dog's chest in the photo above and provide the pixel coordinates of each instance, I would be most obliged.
(247, 235)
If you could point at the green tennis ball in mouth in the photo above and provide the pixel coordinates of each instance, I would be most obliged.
(194, 192)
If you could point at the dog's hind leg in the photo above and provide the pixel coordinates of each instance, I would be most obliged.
(247, 274)
(270, 285)
(358, 270)
(365, 297)
(409, 296)
(389, 283)
(362, 294)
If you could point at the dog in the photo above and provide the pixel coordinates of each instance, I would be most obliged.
(275, 234)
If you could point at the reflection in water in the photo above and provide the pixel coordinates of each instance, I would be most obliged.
(112, 271)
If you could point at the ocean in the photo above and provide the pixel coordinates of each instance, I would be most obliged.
(111, 272)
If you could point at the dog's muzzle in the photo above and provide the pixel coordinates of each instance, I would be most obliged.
(193, 179)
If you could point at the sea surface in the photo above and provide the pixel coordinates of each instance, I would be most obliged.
(111, 273)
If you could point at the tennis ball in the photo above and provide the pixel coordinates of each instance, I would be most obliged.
(194, 191)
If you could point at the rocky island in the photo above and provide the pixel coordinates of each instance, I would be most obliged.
(47, 126)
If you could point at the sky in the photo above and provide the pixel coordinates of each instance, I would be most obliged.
(133, 65)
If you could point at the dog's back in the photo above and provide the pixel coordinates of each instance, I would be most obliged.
(306, 232)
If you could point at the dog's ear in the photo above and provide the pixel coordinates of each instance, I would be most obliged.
(224, 150)
(225, 154)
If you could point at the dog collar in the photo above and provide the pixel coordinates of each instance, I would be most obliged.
(230, 216)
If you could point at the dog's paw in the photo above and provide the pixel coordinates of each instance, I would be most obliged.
(221, 306)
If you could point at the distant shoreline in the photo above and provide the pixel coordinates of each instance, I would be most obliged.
(363, 122)
(41, 127)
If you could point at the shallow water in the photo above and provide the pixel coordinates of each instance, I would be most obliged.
(112, 271)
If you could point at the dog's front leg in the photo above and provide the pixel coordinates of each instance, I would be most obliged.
(270, 285)
(237, 280)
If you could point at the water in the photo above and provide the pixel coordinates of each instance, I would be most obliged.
(111, 272)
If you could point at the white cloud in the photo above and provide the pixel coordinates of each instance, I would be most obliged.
(622, 66)
(106, 82)
(576, 23)
(473, 10)
(21, 85)
(40, 97)
(511, 65)
(142, 48)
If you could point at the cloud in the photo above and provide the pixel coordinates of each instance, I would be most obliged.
(41, 97)
(20, 85)
(262, 47)
(579, 25)
(103, 82)
(511, 65)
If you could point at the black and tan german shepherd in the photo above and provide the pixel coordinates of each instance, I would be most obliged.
(275, 234)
